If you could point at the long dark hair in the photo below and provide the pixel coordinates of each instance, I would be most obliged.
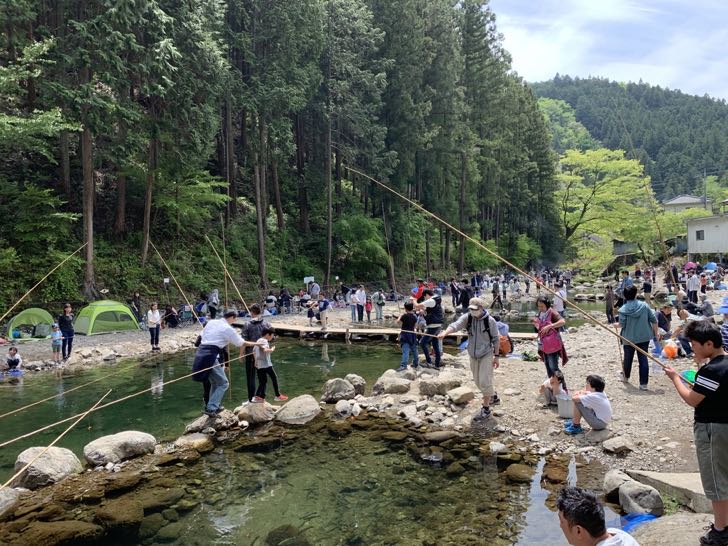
(558, 374)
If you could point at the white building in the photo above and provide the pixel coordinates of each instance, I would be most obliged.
(708, 235)
(685, 202)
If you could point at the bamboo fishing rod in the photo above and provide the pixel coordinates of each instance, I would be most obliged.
(235, 286)
(187, 301)
(113, 402)
(507, 263)
(54, 442)
(42, 279)
(391, 258)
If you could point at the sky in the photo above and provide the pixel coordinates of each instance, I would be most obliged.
(680, 44)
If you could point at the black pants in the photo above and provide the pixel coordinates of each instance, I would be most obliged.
(250, 375)
(693, 296)
(644, 366)
(610, 315)
(263, 375)
(67, 344)
(213, 311)
(360, 312)
(154, 335)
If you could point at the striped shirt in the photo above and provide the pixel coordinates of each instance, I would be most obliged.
(724, 334)
(712, 382)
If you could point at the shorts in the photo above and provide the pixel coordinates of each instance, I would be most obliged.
(590, 416)
(711, 446)
(56, 345)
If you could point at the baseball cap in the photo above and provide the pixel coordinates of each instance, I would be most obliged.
(476, 303)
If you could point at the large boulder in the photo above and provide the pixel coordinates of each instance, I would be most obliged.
(613, 480)
(8, 499)
(686, 487)
(337, 389)
(519, 473)
(461, 395)
(439, 385)
(255, 413)
(114, 448)
(638, 498)
(358, 381)
(675, 530)
(299, 410)
(390, 383)
(51, 467)
(196, 440)
(224, 420)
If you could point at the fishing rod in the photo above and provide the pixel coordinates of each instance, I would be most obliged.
(113, 402)
(187, 301)
(228, 274)
(509, 264)
(390, 257)
(54, 442)
(42, 279)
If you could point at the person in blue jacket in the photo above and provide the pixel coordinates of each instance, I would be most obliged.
(639, 325)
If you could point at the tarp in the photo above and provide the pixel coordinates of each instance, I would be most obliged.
(31, 323)
(690, 265)
(105, 316)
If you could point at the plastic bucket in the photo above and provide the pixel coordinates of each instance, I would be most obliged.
(566, 406)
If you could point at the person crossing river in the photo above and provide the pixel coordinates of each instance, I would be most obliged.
(434, 315)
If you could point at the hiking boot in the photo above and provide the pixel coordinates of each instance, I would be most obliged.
(714, 538)
(483, 414)
(281, 398)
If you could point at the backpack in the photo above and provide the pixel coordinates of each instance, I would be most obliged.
(490, 336)
(506, 347)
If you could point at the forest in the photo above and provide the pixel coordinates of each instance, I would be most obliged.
(680, 139)
(142, 125)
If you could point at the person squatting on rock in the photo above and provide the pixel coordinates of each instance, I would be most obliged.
(483, 346)
(252, 330)
(13, 361)
(581, 518)
(213, 340)
(591, 404)
(264, 367)
(552, 388)
(434, 315)
(709, 397)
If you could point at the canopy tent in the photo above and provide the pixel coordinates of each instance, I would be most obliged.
(103, 317)
(31, 323)
(710, 266)
(690, 265)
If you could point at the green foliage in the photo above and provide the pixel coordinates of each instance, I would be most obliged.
(361, 252)
(476, 259)
(566, 132)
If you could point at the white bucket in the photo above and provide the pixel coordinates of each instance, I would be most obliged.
(566, 406)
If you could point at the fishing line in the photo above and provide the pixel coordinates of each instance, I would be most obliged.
(187, 301)
(228, 274)
(509, 264)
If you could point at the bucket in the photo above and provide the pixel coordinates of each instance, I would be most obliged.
(566, 406)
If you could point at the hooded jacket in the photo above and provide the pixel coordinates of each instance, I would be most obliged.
(636, 319)
(483, 337)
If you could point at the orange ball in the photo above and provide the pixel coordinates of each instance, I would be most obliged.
(670, 350)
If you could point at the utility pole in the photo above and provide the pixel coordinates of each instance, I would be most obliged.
(705, 189)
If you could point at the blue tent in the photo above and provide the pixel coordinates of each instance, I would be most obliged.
(710, 266)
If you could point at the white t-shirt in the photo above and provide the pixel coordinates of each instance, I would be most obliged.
(559, 301)
(153, 318)
(262, 359)
(618, 538)
(218, 332)
(559, 389)
(693, 283)
(361, 297)
(599, 402)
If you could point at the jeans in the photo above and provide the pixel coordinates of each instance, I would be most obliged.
(425, 342)
(250, 375)
(693, 296)
(408, 348)
(379, 311)
(219, 384)
(629, 352)
(551, 360)
(67, 343)
(263, 375)
(360, 312)
(610, 315)
(154, 335)
(353, 312)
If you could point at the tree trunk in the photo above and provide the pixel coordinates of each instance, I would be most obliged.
(277, 193)
(329, 203)
(229, 158)
(120, 220)
(65, 164)
(442, 249)
(428, 264)
(447, 247)
(303, 219)
(390, 260)
(259, 218)
(89, 279)
(151, 167)
(461, 210)
(337, 176)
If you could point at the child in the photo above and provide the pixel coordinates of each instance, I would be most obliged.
(368, 308)
(14, 360)
(709, 397)
(264, 366)
(407, 337)
(552, 388)
(591, 404)
(311, 313)
(56, 342)
(323, 308)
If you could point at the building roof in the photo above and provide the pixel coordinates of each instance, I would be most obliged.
(685, 200)
(720, 217)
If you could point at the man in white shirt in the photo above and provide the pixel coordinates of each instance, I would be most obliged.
(558, 304)
(361, 299)
(693, 285)
(581, 518)
(214, 339)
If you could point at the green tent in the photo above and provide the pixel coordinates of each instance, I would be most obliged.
(31, 323)
(102, 317)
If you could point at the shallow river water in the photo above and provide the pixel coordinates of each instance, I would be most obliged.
(317, 487)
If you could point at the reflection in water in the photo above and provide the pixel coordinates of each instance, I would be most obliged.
(157, 378)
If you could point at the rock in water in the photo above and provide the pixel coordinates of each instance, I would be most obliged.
(638, 498)
(54, 465)
(121, 513)
(256, 414)
(117, 447)
(61, 532)
(342, 408)
(439, 436)
(8, 498)
(299, 410)
(337, 389)
(496, 447)
(461, 395)
(358, 381)
(613, 480)
(224, 420)
(197, 440)
(519, 473)
(287, 535)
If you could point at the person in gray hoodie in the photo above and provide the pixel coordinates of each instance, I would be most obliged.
(639, 325)
(483, 348)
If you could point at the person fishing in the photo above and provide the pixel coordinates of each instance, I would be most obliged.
(483, 346)
(252, 330)
(639, 326)
(65, 322)
(547, 323)
(434, 315)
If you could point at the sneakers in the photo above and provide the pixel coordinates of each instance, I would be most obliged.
(483, 414)
(643, 387)
(258, 400)
(402, 368)
(281, 398)
(623, 378)
(573, 429)
(210, 413)
(495, 400)
(714, 538)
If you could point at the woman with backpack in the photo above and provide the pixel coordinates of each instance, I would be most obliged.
(550, 346)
